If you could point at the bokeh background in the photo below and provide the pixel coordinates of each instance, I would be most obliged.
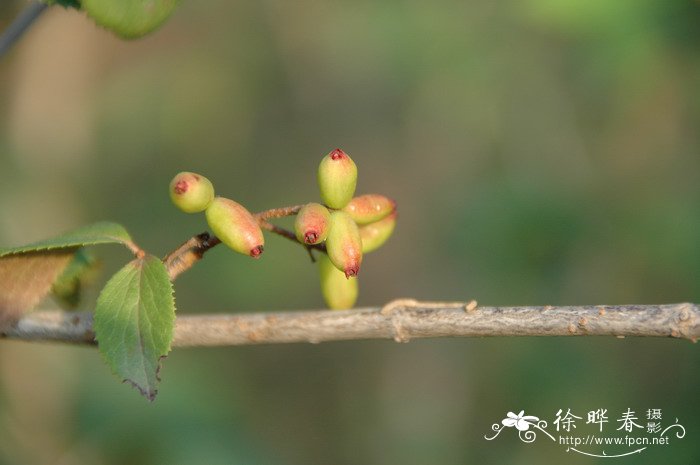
(541, 152)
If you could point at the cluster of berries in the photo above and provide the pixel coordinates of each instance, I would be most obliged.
(348, 226)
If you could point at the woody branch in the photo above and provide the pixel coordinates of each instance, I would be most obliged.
(400, 320)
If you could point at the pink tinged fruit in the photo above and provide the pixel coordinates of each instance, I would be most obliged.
(339, 293)
(191, 192)
(369, 208)
(344, 244)
(337, 178)
(311, 224)
(235, 226)
(374, 235)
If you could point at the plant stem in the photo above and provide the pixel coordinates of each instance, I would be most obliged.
(400, 320)
(20, 25)
(278, 212)
(191, 251)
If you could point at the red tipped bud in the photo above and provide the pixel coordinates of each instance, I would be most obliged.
(255, 252)
(344, 244)
(235, 226)
(339, 292)
(369, 208)
(337, 178)
(374, 235)
(311, 224)
(191, 192)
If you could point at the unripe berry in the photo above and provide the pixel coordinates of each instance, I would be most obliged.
(129, 19)
(369, 208)
(191, 192)
(311, 224)
(374, 235)
(338, 292)
(344, 244)
(337, 178)
(235, 226)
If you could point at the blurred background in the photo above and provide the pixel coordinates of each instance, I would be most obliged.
(541, 152)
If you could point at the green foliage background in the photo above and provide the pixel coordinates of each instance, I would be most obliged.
(541, 152)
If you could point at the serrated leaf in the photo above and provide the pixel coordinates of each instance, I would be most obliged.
(134, 321)
(81, 270)
(26, 278)
(97, 233)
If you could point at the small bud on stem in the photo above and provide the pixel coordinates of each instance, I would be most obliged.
(339, 292)
(344, 244)
(191, 192)
(336, 223)
(311, 224)
(235, 226)
(369, 208)
(374, 235)
(337, 178)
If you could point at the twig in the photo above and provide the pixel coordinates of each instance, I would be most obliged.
(20, 25)
(401, 320)
(278, 212)
(289, 235)
(191, 251)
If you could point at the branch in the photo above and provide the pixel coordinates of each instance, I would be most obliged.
(192, 250)
(20, 25)
(400, 320)
(278, 212)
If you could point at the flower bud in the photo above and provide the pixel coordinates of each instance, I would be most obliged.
(338, 292)
(311, 224)
(369, 208)
(374, 235)
(344, 244)
(191, 192)
(235, 226)
(337, 178)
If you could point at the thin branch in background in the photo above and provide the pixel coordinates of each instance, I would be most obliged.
(400, 320)
(20, 25)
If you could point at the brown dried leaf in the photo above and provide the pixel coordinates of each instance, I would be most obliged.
(26, 278)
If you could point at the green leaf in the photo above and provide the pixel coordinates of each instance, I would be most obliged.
(68, 287)
(134, 322)
(97, 233)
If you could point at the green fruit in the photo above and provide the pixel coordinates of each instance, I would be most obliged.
(235, 226)
(369, 208)
(338, 292)
(344, 244)
(130, 19)
(311, 224)
(337, 178)
(191, 192)
(374, 235)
